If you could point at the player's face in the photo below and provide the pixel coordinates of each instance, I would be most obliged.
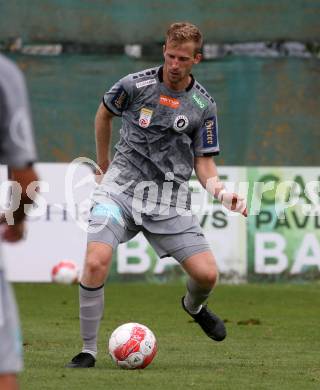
(178, 62)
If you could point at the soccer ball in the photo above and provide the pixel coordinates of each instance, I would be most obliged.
(65, 272)
(132, 346)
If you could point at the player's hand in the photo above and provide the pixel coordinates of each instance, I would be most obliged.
(101, 170)
(98, 176)
(233, 202)
(13, 233)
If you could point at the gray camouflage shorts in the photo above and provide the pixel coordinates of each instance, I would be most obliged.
(114, 221)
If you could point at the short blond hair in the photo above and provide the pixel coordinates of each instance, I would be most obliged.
(185, 32)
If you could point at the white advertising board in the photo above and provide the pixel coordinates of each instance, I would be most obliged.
(54, 234)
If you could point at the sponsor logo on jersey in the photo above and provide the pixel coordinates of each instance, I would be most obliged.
(120, 98)
(145, 117)
(169, 101)
(180, 123)
(201, 103)
(209, 133)
(145, 83)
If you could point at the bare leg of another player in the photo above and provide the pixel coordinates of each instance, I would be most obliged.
(8, 382)
(202, 269)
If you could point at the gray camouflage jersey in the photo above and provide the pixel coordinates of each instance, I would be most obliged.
(162, 131)
(17, 148)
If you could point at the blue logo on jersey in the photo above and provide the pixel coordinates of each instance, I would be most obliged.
(209, 133)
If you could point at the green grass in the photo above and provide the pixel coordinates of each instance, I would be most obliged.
(280, 352)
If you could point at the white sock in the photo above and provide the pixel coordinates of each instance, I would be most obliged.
(91, 302)
(195, 296)
(93, 353)
(192, 309)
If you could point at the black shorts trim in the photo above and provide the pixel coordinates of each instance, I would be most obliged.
(90, 288)
(210, 154)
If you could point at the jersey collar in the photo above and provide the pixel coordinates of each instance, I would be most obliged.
(160, 77)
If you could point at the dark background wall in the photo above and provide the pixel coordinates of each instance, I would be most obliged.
(269, 108)
(145, 20)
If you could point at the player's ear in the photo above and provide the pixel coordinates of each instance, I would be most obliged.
(164, 49)
(197, 58)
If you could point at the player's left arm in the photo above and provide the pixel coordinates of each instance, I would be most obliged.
(206, 145)
(207, 174)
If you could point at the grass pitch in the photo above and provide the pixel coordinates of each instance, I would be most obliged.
(273, 338)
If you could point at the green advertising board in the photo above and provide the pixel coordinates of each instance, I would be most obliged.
(284, 235)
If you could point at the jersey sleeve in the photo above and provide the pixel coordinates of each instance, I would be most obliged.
(119, 96)
(206, 141)
(17, 147)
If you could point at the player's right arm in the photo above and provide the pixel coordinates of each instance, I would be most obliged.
(103, 130)
(115, 101)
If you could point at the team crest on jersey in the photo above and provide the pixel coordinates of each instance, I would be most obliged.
(180, 123)
(145, 117)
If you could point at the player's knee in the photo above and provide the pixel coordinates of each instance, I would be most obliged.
(212, 278)
(209, 279)
(97, 262)
(94, 266)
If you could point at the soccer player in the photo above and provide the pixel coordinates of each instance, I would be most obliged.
(169, 128)
(17, 151)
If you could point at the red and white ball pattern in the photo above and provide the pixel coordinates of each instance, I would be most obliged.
(65, 272)
(132, 346)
